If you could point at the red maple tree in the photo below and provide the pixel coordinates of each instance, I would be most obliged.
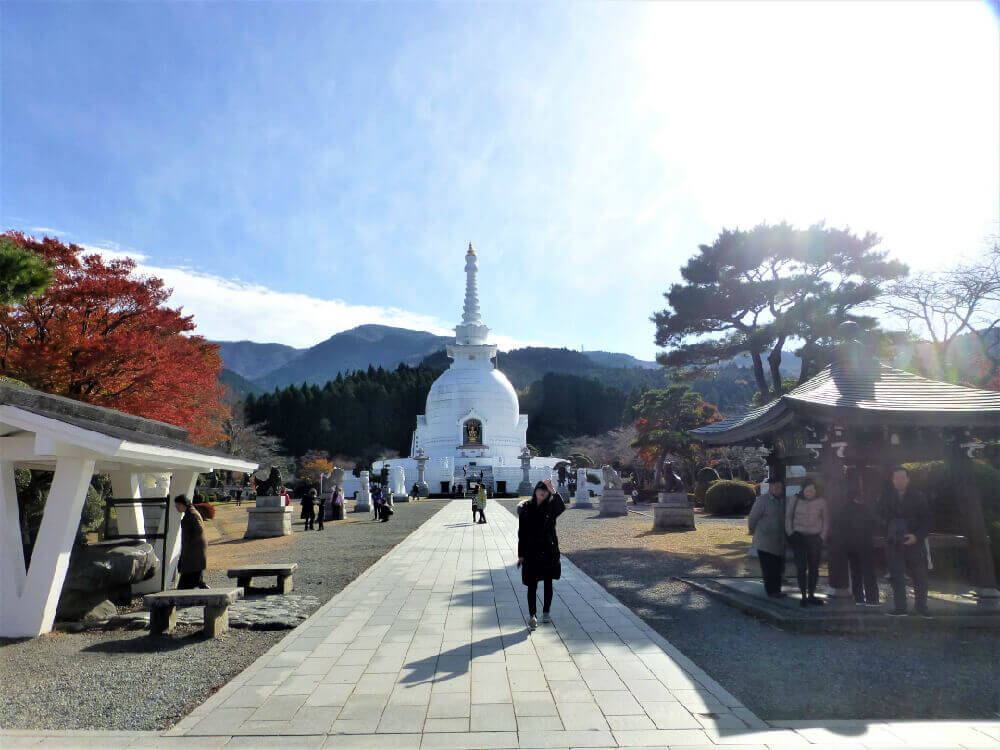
(102, 334)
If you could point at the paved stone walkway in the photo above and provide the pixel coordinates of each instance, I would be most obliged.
(429, 649)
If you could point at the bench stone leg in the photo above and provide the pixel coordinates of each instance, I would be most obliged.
(162, 620)
(285, 584)
(216, 620)
(244, 582)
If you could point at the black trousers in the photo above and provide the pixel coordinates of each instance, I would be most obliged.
(861, 561)
(911, 559)
(481, 513)
(193, 580)
(319, 517)
(533, 596)
(310, 520)
(807, 549)
(772, 568)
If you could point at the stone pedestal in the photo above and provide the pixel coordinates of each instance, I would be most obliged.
(582, 492)
(363, 504)
(672, 511)
(613, 502)
(271, 517)
(524, 489)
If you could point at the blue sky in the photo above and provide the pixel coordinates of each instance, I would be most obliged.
(295, 169)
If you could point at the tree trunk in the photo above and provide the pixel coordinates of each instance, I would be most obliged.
(774, 362)
(758, 374)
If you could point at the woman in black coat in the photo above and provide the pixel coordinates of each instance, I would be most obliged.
(538, 546)
(194, 548)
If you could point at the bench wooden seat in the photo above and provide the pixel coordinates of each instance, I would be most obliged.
(244, 574)
(163, 606)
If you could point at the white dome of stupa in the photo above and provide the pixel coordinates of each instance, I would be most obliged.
(471, 429)
(471, 405)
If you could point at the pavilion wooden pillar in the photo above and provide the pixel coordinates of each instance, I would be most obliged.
(970, 511)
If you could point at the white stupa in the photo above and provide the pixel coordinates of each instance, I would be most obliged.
(472, 423)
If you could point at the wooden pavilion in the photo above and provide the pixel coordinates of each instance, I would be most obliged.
(855, 420)
(145, 459)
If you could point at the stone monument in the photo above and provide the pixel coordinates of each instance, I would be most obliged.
(672, 510)
(363, 503)
(612, 501)
(397, 484)
(582, 491)
(524, 488)
(422, 489)
(269, 517)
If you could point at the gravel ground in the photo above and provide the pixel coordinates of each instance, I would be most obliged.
(784, 675)
(130, 680)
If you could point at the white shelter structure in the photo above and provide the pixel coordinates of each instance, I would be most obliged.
(145, 459)
(472, 425)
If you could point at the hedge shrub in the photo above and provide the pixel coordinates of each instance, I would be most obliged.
(703, 479)
(729, 496)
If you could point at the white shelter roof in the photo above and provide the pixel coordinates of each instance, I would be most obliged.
(36, 428)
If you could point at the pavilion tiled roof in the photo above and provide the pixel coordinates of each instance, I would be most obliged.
(868, 394)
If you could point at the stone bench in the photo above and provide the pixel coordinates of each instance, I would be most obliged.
(163, 606)
(244, 574)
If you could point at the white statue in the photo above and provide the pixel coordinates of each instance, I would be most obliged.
(612, 479)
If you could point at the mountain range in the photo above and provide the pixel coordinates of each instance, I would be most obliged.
(255, 367)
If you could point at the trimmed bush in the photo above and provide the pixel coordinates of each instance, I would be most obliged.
(703, 479)
(728, 496)
(207, 510)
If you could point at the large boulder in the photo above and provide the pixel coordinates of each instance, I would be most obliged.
(101, 574)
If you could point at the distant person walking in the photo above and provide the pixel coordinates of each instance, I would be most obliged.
(479, 504)
(320, 509)
(338, 500)
(807, 524)
(309, 509)
(906, 516)
(376, 501)
(194, 548)
(538, 546)
(767, 524)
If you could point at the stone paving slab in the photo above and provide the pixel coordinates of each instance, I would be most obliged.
(429, 649)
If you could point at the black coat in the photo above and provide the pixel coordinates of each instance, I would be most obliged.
(537, 542)
(194, 547)
(911, 507)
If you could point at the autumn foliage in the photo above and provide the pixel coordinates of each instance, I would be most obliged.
(104, 335)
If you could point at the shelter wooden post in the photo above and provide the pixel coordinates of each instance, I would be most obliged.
(13, 573)
(34, 610)
(181, 483)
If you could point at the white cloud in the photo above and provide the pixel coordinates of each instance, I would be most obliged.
(234, 310)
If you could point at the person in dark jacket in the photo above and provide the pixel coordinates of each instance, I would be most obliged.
(855, 525)
(194, 549)
(538, 546)
(309, 509)
(906, 518)
(320, 502)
